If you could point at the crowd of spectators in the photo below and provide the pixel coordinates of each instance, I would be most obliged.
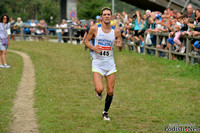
(172, 22)
(38, 30)
(133, 26)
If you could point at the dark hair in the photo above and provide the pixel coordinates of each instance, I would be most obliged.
(181, 17)
(134, 16)
(105, 8)
(191, 20)
(1, 19)
(156, 18)
(185, 16)
(198, 9)
(92, 20)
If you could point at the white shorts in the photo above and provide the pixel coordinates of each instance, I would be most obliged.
(104, 67)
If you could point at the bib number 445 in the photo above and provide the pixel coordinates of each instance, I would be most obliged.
(105, 53)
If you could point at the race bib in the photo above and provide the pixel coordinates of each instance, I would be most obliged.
(105, 50)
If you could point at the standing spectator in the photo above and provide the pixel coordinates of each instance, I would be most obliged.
(196, 43)
(179, 21)
(5, 39)
(197, 16)
(178, 14)
(190, 11)
(43, 24)
(151, 28)
(137, 25)
(74, 25)
(119, 21)
(59, 32)
(79, 31)
(163, 28)
(175, 40)
(16, 28)
(127, 32)
(196, 32)
(125, 16)
(12, 23)
(74, 22)
(85, 25)
(65, 31)
(141, 31)
(92, 23)
(148, 13)
(113, 20)
(184, 26)
(41, 29)
(32, 30)
(18, 24)
(98, 20)
(38, 30)
(170, 12)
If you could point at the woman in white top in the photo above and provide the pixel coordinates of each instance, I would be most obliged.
(65, 32)
(4, 39)
(59, 32)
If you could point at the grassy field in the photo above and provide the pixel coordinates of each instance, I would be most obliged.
(150, 93)
(9, 80)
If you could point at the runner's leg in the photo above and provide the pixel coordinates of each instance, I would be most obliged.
(98, 82)
(110, 80)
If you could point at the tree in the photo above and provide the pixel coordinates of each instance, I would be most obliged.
(31, 9)
(49, 9)
(88, 9)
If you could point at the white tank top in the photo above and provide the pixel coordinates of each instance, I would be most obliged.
(105, 42)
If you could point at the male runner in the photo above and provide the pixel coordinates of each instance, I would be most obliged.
(103, 63)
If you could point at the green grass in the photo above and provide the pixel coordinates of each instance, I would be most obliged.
(150, 93)
(9, 80)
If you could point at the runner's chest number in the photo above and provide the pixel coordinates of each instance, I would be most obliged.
(105, 53)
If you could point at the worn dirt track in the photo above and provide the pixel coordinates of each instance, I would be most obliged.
(24, 119)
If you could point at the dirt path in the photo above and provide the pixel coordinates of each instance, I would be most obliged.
(24, 120)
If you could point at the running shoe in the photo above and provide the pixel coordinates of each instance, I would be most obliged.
(99, 96)
(1, 66)
(6, 66)
(105, 116)
(183, 49)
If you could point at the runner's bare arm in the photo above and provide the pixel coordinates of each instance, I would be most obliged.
(84, 37)
(118, 39)
(92, 33)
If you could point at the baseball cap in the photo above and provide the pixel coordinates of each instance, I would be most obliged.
(98, 17)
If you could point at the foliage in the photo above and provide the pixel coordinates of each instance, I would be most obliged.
(44, 9)
(35, 9)
(88, 9)
(123, 6)
(49, 9)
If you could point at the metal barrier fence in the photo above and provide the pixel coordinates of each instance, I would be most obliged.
(187, 55)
